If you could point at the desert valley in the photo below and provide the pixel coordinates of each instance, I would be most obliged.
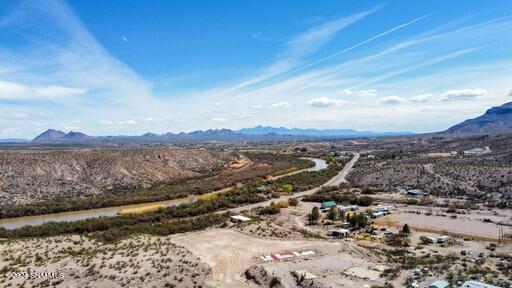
(238, 211)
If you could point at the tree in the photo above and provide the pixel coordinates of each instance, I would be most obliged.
(314, 215)
(366, 190)
(332, 214)
(342, 216)
(406, 230)
(358, 220)
(364, 201)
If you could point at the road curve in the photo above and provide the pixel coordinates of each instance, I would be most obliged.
(336, 180)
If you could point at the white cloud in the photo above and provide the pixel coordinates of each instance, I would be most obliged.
(367, 93)
(10, 131)
(153, 119)
(422, 98)
(124, 38)
(11, 90)
(127, 122)
(509, 92)
(59, 91)
(325, 102)
(219, 120)
(392, 100)
(462, 94)
(105, 122)
(347, 92)
(64, 59)
(259, 36)
(280, 105)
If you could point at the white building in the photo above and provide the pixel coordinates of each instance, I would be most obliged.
(477, 151)
(476, 284)
(383, 208)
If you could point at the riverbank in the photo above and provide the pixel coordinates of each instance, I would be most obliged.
(17, 222)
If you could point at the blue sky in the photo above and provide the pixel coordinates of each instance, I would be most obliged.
(129, 67)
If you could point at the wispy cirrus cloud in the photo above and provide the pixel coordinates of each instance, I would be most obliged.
(300, 46)
(68, 59)
(427, 66)
(10, 90)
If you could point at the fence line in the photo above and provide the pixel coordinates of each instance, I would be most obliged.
(446, 232)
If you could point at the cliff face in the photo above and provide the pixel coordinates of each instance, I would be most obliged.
(497, 120)
(27, 177)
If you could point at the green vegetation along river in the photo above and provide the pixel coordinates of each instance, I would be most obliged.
(13, 223)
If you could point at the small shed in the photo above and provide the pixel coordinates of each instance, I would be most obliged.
(239, 218)
(338, 232)
(439, 284)
(327, 204)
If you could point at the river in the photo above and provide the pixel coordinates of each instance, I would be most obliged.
(13, 223)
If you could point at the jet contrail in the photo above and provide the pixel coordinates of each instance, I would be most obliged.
(359, 44)
(343, 23)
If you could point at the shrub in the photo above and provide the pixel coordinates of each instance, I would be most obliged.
(271, 209)
(287, 188)
(282, 204)
(293, 201)
(425, 240)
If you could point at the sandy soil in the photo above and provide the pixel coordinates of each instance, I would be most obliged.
(468, 224)
(140, 261)
(230, 253)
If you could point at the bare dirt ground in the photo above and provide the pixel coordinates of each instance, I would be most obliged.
(230, 253)
(471, 223)
(140, 261)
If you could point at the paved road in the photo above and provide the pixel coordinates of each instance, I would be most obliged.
(340, 177)
(336, 180)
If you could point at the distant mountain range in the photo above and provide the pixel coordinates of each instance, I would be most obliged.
(258, 133)
(264, 130)
(14, 140)
(497, 120)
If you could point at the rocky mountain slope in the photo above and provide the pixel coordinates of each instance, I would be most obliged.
(497, 120)
(30, 176)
